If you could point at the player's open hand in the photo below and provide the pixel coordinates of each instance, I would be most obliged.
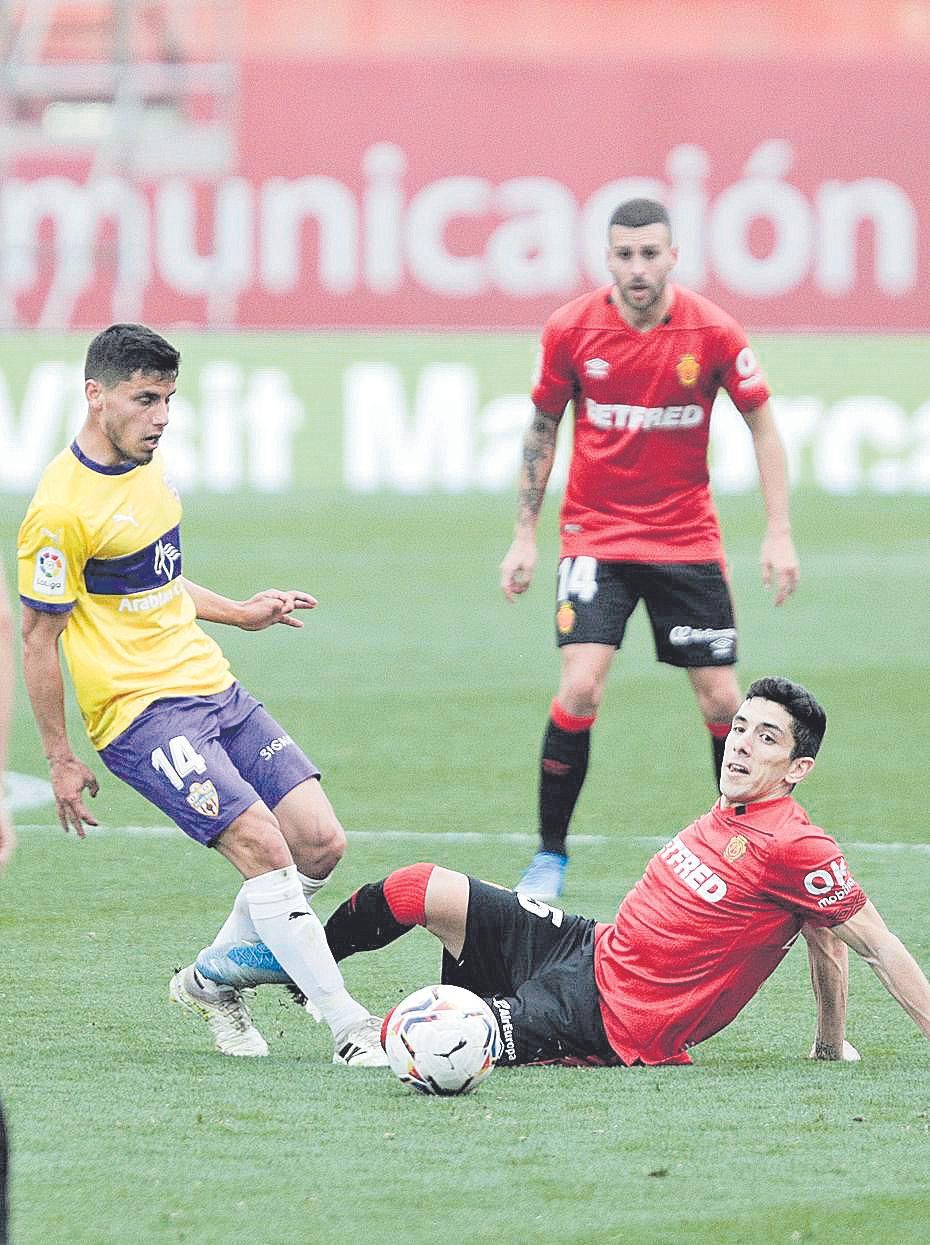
(518, 567)
(780, 567)
(274, 606)
(70, 777)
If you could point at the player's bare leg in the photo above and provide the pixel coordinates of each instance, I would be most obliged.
(718, 697)
(564, 762)
(446, 908)
(317, 843)
(311, 830)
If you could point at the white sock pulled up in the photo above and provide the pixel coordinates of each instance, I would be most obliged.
(285, 922)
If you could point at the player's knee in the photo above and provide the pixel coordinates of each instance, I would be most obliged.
(330, 838)
(327, 848)
(254, 843)
(581, 695)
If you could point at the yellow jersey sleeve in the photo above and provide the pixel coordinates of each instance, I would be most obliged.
(51, 554)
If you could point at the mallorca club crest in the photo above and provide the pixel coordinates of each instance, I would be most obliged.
(565, 618)
(736, 848)
(687, 369)
(203, 798)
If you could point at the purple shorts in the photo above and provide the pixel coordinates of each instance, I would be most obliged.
(203, 760)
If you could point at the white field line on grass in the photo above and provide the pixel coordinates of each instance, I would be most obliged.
(457, 836)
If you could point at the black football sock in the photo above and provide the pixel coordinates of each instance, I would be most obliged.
(363, 923)
(718, 739)
(563, 767)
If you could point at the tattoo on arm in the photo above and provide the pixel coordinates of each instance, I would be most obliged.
(538, 456)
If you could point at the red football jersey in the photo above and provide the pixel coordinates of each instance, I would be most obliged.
(713, 915)
(638, 483)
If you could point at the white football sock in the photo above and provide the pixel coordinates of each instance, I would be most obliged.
(238, 926)
(284, 921)
(312, 885)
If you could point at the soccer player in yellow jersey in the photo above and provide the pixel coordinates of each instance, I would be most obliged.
(100, 572)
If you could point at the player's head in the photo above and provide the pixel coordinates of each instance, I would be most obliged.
(130, 375)
(775, 736)
(123, 349)
(640, 255)
(808, 717)
(638, 213)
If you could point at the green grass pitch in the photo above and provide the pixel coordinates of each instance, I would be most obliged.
(423, 695)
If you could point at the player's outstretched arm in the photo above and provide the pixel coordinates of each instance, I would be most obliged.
(829, 969)
(70, 777)
(519, 563)
(892, 963)
(262, 610)
(779, 558)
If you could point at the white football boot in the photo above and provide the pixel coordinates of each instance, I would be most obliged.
(222, 1008)
(361, 1046)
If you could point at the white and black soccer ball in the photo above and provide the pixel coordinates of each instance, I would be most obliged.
(441, 1040)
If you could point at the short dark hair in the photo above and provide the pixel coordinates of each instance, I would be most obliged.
(123, 349)
(635, 213)
(808, 718)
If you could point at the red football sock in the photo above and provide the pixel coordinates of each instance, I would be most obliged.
(405, 893)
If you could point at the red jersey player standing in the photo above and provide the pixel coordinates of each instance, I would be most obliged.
(642, 360)
(715, 912)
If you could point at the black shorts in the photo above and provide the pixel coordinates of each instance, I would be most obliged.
(534, 966)
(688, 603)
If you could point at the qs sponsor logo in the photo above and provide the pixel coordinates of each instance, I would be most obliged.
(565, 618)
(736, 848)
(203, 798)
(687, 369)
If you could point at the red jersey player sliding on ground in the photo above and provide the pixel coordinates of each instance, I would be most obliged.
(642, 361)
(715, 912)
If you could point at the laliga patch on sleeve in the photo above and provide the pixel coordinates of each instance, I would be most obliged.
(51, 571)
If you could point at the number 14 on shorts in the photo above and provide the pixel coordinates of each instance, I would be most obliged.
(185, 759)
(578, 579)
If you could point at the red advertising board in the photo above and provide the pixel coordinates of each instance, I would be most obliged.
(475, 194)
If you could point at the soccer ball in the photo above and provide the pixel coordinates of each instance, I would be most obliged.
(441, 1040)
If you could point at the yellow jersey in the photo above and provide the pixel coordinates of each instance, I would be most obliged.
(103, 544)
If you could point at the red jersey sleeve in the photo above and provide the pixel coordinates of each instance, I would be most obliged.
(555, 382)
(810, 876)
(739, 370)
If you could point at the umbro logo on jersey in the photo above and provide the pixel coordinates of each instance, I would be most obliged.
(596, 369)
